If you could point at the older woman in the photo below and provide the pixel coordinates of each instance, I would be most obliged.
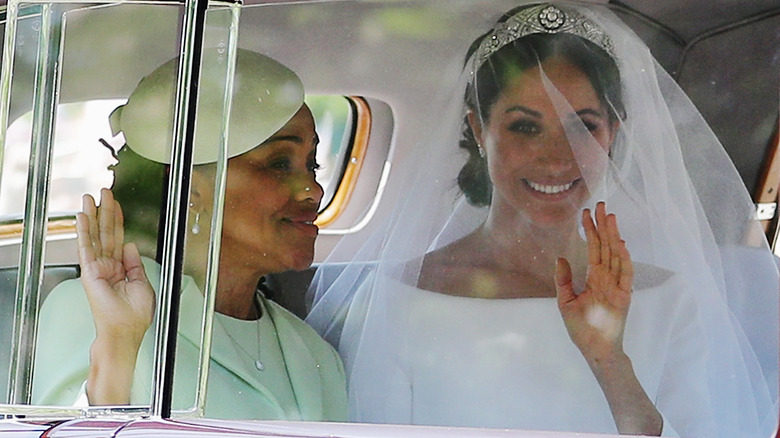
(266, 363)
(517, 309)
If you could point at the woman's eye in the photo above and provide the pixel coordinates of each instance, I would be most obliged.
(280, 164)
(524, 127)
(313, 166)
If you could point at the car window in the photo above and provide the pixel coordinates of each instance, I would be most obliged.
(83, 159)
(76, 169)
(377, 76)
(53, 154)
(334, 118)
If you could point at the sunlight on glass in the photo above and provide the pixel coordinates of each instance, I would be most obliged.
(80, 161)
(334, 120)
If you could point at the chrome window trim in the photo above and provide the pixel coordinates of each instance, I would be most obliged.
(215, 245)
(48, 69)
(166, 329)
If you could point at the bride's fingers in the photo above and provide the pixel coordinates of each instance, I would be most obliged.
(626, 278)
(601, 228)
(592, 237)
(613, 237)
(563, 283)
(615, 263)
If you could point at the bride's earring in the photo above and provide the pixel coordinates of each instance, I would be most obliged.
(196, 226)
(481, 151)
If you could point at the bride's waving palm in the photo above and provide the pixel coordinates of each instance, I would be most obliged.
(595, 319)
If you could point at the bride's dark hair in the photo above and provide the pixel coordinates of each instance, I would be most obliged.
(503, 66)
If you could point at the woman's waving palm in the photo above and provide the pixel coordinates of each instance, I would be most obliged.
(120, 296)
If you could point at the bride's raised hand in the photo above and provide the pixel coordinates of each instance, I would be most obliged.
(596, 321)
(120, 296)
(596, 318)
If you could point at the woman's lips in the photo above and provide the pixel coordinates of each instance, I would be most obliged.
(551, 191)
(304, 223)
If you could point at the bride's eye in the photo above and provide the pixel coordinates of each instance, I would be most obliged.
(589, 124)
(524, 127)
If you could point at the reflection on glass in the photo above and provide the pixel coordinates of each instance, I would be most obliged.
(93, 81)
(334, 118)
(81, 164)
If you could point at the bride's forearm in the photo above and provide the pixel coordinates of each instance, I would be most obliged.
(111, 369)
(632, 409)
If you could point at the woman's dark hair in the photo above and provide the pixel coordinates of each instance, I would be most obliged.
(503, 66)
(139, 186)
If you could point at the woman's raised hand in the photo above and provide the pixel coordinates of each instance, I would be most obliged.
(596, 318)
(120, 297)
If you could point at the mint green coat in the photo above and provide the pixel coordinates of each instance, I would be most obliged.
(308, 384)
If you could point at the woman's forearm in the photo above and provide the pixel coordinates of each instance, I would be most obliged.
(632, 409)
(111, 369)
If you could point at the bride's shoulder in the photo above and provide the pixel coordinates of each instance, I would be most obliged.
(447, 269)
(462, 252)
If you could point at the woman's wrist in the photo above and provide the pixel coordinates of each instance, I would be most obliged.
(111, 369)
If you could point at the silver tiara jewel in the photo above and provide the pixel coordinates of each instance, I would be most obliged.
(542, 18)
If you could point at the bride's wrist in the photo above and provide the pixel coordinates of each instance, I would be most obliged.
(609, 363)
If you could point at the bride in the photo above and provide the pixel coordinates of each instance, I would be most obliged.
(519, 301)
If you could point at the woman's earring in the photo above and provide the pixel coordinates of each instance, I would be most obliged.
(481, 151)
(196, 226)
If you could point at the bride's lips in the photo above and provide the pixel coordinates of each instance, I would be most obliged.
(303, 222)
(551, 191)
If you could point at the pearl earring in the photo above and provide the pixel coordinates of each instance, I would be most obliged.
(196, 226)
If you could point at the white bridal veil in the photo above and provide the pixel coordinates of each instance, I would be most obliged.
(702, 330)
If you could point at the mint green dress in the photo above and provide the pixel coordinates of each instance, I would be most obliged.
(302, 376)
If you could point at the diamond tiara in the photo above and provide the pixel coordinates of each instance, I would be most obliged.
(542, 18)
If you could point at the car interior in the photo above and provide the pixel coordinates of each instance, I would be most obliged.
(383, 62)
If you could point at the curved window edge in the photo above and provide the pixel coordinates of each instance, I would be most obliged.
(354, 162)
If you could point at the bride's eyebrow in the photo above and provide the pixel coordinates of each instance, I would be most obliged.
(592, 112)
(523, 109)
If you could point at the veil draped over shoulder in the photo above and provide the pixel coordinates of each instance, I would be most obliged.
(702, 329)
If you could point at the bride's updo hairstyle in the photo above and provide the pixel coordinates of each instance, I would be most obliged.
(501, 67)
